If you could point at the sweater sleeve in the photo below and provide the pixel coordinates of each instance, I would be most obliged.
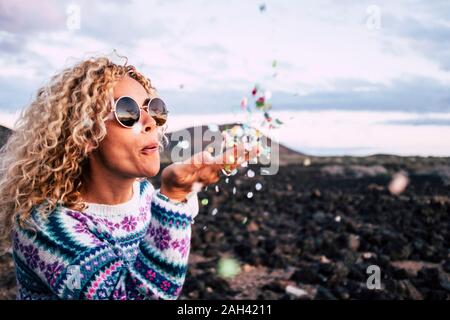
(70, 256)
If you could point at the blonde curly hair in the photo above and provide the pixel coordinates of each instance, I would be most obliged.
(43, 160)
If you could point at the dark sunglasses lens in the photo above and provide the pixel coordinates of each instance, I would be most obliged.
(157, 109)
(127, 111)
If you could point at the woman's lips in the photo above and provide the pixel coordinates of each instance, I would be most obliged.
(150, 149)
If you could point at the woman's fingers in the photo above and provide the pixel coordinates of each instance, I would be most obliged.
(204, 168)
(234, 157)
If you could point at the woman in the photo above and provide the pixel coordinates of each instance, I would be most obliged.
(85, 222)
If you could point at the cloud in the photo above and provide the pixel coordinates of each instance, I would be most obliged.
(427, 33)
(26, 17)
(219, 50)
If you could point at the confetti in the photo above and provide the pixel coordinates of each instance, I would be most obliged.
(306, 162)
(214, 211)
(250, 195)
(205, 228)
(244, 102)
(337, 219)
(227, 180)
(398, 183)
(258, 186)
(260, 102)
(228, 267)
(250, 173)
(205, 202)
(217, 189)
(245, 220)
(234, 190)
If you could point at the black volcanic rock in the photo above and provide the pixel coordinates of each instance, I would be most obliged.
(320, 232)
(4, 135)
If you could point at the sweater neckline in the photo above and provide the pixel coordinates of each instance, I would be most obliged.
(124, 208)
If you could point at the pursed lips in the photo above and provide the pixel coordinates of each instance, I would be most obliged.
(151, 148)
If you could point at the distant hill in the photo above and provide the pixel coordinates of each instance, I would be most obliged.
(4, 135)
(287, 155)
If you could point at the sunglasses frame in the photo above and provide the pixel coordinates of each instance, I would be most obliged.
(140, 109)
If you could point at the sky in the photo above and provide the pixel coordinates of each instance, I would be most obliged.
(352, 59)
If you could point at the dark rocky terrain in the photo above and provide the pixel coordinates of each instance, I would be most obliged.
(319, 232)
(316, 226)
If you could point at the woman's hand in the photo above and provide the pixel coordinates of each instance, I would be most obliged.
(178, 178)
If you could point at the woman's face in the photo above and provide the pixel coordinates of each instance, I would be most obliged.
(121, 151)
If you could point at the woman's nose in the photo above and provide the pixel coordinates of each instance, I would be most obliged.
(149, 123)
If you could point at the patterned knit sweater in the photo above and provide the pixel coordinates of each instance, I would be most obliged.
(134, 250)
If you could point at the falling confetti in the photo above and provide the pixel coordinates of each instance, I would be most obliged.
(228, 267)
(258, 186)
(227, 180)
(217, 189)
(260, 102)
(306, 162)
(244, 102)
(245, 220)
(205, 202)
(214, 211)
(234, 190)
(337, 219)
(250, 173)
(205, 228)
(250, 195)
(398, 183)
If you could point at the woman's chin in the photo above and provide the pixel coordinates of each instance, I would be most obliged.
(152, 170)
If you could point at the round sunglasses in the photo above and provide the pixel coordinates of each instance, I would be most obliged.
(128, 112)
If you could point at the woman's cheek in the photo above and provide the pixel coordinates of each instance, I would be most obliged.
(137, 128)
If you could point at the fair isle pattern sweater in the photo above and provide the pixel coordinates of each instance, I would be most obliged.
(134, 250)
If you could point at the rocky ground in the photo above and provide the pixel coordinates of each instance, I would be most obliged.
(317, 228)
(314, 228)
